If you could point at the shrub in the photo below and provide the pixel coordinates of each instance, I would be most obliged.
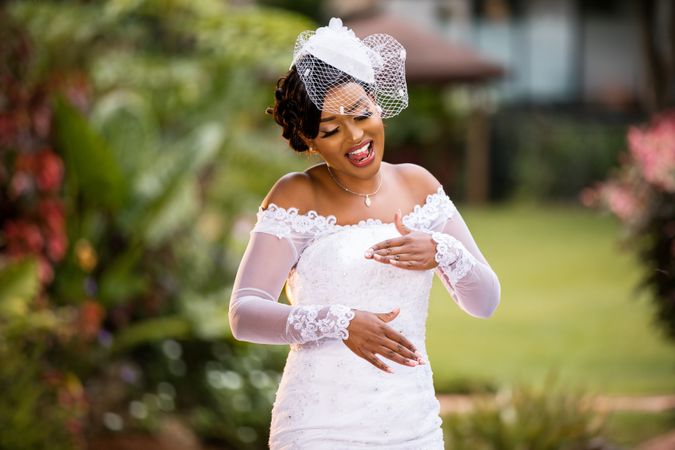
(641, 194)
(527, 419)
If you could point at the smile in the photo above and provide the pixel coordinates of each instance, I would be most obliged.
(362, 156)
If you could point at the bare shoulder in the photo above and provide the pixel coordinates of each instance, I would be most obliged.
(417, 179)
(293, 190)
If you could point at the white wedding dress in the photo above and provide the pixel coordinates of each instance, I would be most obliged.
(329, 398)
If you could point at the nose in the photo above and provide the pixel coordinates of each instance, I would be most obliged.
(354, 131)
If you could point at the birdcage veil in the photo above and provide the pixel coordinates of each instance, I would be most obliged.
(331, 56)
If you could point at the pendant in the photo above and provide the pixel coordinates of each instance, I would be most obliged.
(367, 201)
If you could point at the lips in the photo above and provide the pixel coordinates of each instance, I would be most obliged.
(361, 154)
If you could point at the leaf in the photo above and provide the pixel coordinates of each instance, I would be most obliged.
(208, 314)
(151, 330)
(19, 284)
(91, 168)
(122, 280)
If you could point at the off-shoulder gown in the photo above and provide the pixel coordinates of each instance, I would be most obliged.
(329, 398)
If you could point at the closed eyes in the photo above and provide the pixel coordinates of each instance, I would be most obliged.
(363, 116)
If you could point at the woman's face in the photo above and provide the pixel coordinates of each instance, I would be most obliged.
(351, 144)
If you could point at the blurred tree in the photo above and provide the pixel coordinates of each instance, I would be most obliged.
(657, 20)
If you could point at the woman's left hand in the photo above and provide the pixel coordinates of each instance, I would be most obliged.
(413, 250)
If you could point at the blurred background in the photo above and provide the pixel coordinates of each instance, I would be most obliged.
(135, 152)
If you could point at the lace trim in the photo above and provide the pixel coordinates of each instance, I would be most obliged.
(452, 257)
(282, 222)
(437, 207)
(314, 322)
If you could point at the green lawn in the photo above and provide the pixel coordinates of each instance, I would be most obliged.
(569, 305)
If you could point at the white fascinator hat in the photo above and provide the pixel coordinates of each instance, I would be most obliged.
(331, 56)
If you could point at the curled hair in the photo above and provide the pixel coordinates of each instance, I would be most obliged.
(293, 110)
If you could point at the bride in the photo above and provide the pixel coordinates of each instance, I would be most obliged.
(356, 241)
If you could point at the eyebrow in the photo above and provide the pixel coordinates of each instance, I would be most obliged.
(348, 110)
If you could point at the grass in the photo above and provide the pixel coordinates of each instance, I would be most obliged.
(628, 429)
(569, 305)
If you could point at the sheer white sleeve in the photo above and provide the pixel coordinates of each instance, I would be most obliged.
(255, 314)
(461, 266)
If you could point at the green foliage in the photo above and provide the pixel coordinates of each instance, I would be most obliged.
(545, 156)
(160, 123)
(431, 132)
(27, 399)
(528, 419)
(19, 284)
(92, 169)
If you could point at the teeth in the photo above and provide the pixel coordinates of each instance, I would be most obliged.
(360, 150)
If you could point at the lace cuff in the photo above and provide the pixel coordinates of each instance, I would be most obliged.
(452, 257)
(313, 322)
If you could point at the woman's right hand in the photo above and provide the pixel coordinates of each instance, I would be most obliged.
(369, 336)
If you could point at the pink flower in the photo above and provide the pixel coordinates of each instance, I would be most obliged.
(42, 120)
(22, 183)
(621, 202)
(45, 271)
(653, 149)
(589, 197)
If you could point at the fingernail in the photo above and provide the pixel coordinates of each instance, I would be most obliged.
(413, 362)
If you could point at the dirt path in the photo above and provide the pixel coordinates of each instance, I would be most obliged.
(654, 403)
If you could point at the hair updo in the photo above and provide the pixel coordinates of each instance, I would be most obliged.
(294, 111)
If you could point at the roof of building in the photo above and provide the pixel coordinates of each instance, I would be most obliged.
(430, 58)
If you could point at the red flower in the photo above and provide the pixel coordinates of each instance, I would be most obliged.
(49, 171)
(23, 237)
(51, 213)
(90, 319)
(56, 247)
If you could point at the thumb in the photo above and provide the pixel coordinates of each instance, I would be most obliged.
(398, 220)
(389, 316)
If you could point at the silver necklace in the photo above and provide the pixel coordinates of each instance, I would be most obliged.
(366, 200)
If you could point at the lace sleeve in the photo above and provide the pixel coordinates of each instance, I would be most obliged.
(255, 313)
(462, 268)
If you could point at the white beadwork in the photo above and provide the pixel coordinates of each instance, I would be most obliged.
(314, 322)
(452, 257)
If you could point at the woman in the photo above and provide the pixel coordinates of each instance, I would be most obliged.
(358, 271)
